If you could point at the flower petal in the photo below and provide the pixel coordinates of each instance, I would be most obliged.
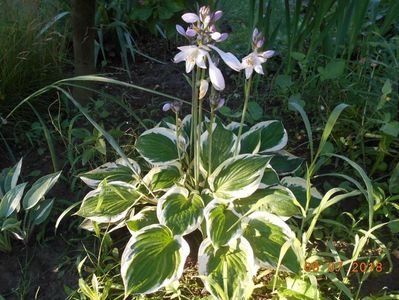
(203, 88)
(180, 30)
(220, 103)
(189, 65)
(248, 72)
(216, 36)
(223, 37)
(190, 32)
(190, 18)
(259, 69)
(166, 106)
(217, 15)
(255, 33)
(268, 54)
(179, 57)
(216, 76)
(228, 58)
(200, 61)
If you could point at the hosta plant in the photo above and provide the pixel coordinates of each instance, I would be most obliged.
(21, 211)
(200, 174)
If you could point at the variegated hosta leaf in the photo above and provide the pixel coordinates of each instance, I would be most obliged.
(268, 136)
(221, 223)
(277, 200)
(298, 186)
(39, 189)
(285, 163)
(297, 288)
(270, 177)
(112, 171)
(146, 216)
(109, 202)
(11, 201)
(228, 269)
(158, 146)
(223, 142)
(11, 178)
(238, 177)
(267, 233)
(152, 259)
(163, 177)
(181, 212)
(40, 213)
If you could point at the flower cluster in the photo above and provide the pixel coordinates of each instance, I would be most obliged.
(255, 59)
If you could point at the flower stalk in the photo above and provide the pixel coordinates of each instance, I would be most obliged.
(247, 91)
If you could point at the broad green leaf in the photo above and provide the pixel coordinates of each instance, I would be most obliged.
(109, 202)
(267, 136)
(269, 178)
(255, 110)
(146, 216)
(231, 267)
(11, 201)
(276, 200)
(163, 177)
(152, 259)
(332, 70)
(181, 212)
(221, 223)
(223, 141)
(391, 128)
(40, 213)
(267, 233)
(285, 163)
(297, 186)
(394, 181)
(158, 146)
(112, 171)
(39, 189)
(11, 225)
(284, 81)
(12, 176)
(296, 288)
(238, 176)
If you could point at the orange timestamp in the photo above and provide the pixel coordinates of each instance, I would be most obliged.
(356, 267)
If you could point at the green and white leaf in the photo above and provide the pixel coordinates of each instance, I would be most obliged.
(12, 176)
(267, 233)
(223, 142)
(277, 200)
(269, 178)
(109, 203)
(40, 213)
(230, 267)
(112, 171)
(39, 189)
(152, 259)
(297, 185)
(147, 216)
(163, 177)
(238, 177)
(11, 201)
(158, 146)
(222, 223)
(180, 211)
(267, 136)
(285, 163)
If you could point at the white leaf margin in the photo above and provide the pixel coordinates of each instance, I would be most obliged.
(184, 252)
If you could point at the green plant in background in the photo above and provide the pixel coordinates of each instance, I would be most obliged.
(20, 213)
(32, 52)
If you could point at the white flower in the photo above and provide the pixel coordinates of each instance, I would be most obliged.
(192, 55)
(228, 58)
(203, 88)
(215, 75)
(254, 61)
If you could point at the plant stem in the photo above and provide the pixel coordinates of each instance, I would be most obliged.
(210, 132)
(247, 90)
(195, 126)
(177, 135)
